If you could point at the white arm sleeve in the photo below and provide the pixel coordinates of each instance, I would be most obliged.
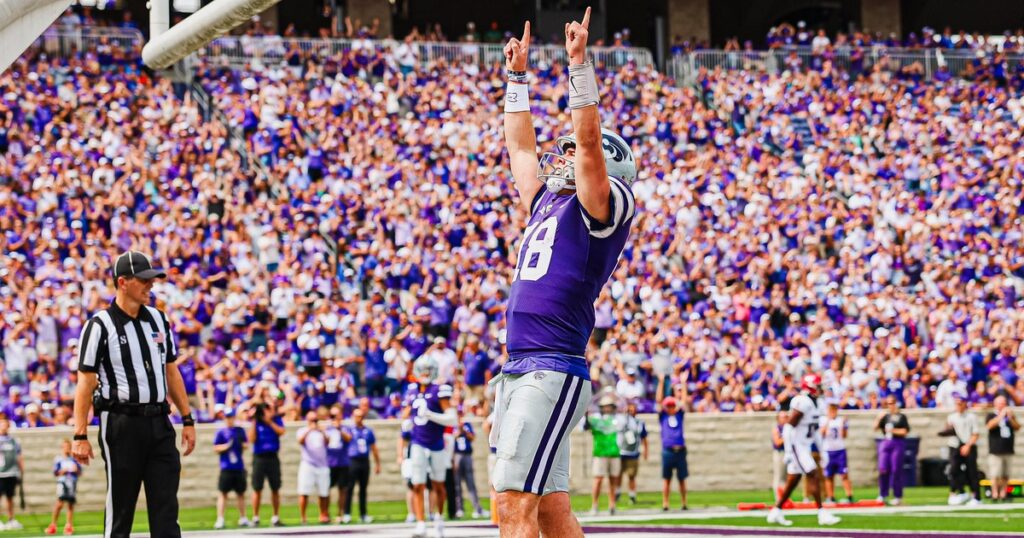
(448, 418)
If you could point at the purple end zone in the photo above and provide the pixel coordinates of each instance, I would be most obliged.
(778, 531)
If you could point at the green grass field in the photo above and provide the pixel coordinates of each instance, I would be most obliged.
(193, 519)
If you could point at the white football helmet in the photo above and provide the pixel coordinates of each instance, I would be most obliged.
(557, 172)
(424, 369)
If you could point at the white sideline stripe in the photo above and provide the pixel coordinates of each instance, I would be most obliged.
(108, 516)
(980, 516)
(719, 512)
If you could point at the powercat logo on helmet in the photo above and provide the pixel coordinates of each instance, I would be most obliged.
(612, 150)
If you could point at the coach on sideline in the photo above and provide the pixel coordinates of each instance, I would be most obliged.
(126, 356)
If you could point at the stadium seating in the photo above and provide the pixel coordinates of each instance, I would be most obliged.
(865, 225)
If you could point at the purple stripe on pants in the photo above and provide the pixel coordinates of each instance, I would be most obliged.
(890, 466)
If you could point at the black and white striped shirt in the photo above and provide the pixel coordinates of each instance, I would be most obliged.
(128, 354)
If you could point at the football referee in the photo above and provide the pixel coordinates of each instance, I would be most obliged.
(126, 363)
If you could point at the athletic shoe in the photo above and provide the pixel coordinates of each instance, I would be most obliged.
(593, 511)
(827, 518)
(775, 516)
(219, 524)
(479, 514)
(632, 498)
(955, 499)
(410, 518)
(849, 500)
(14, 525)
(895, 501)
(276, 522)
(438, 526)
(684, 508)
(255, 521)
(664, 509)
(830, 500)
(973, 502)
(421, 530)
(366, 519)
(611, 511)
(459, 514)
(244, 522)
(880, 499)
(346, 519)
(69, 530)
(52, 529)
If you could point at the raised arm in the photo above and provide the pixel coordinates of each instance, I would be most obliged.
(520, 138)
(592, 186)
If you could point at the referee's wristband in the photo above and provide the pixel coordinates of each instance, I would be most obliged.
(80, 437)
(187, 420)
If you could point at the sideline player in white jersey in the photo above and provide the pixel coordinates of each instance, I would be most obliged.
(802, 431)
(581, 209)
(833, 433)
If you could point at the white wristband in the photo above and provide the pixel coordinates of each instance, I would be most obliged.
(582, 85)
(517, 97)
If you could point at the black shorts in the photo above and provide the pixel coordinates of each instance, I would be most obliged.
(340, 477)
(231, 480)
(7, 486)
(674, 461)
(266, 467)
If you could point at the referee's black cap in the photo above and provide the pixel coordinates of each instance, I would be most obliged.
(136, 264)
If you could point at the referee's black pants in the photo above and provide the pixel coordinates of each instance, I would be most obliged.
(140, 450)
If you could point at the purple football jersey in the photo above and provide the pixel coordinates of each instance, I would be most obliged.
(425, 433)
(565, 259)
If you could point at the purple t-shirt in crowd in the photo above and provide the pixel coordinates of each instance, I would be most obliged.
(362, 440)
(672, 429)
(475, 364)
(337, 446)
(231, 459)
(565, 260)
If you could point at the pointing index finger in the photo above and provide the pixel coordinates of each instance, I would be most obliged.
(586, 19)
(526, 34)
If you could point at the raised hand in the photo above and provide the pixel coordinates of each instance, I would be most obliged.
(517, 51)
(576, 34)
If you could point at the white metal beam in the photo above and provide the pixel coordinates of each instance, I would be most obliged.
(21, 22)
(200, 28)
(159, 17)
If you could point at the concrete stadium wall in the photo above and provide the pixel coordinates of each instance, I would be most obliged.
(725, 452)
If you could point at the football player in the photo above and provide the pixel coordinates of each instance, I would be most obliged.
(799, 434)
(429, 406)
(580, 210)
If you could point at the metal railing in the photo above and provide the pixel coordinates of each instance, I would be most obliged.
(274, 51)
(65, 42)
(685, 67)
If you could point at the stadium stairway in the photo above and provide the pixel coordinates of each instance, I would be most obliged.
(803, 129)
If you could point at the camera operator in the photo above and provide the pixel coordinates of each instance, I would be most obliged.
(265, 435)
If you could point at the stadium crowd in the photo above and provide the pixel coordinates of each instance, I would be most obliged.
(881, 246)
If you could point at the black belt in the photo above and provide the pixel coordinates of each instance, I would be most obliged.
(139, 410)
(675, 448)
